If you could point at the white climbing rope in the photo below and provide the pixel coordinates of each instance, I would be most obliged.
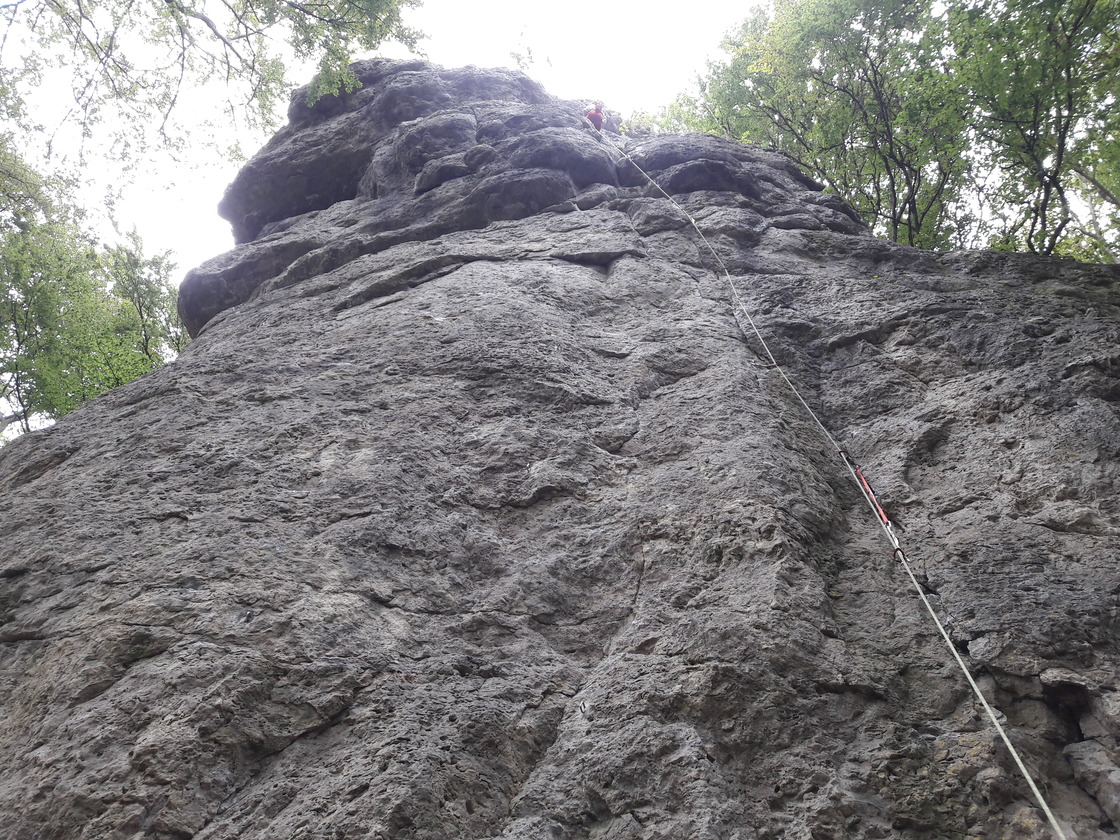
(873, 502)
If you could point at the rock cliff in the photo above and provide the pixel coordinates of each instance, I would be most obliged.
(476, 510)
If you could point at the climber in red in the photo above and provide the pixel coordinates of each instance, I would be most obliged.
(596, 116)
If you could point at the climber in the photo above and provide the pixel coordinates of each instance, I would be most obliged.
(595, 115)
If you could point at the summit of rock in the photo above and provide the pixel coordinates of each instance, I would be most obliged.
(420, 152)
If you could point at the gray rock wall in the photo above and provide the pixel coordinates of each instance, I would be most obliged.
(473, 512)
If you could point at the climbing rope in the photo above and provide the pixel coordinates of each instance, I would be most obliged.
(869, 495)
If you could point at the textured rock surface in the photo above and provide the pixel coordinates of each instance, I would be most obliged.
(472, 512)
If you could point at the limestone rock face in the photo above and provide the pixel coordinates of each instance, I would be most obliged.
(477, 510)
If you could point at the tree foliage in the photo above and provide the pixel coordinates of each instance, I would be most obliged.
(139, 60)
(1043, 77)
(76, 318)
(976, 122)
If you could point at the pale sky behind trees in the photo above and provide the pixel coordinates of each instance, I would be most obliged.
(631, 55)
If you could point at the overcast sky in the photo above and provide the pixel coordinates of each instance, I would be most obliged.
(627, 54)
(633, 56)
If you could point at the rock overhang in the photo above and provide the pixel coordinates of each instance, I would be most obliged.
(421, 151)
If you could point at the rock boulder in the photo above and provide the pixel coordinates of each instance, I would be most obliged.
(477, 509)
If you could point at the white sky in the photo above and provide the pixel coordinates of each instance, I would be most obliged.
(630, 55)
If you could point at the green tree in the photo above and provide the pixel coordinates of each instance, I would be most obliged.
(959, 124)
(138, 61)
(1042, 77)
(852, 90)
(144, 284)
(76, 319)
